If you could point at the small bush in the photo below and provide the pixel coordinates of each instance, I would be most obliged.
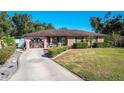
(57, 50)
(99, 45)
(80, 45)
(5, 53)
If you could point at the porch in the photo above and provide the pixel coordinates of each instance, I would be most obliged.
(56, 41)
(45, 42)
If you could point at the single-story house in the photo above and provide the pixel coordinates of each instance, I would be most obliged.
(52, 38)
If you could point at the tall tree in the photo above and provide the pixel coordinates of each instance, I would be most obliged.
(49, 26)
(22, 24)
(96, 24)
(38, 26)
(111, 25)
(5, 24)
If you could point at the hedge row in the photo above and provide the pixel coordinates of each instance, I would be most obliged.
(105, 44)
(5, 53)
(57, 50)
(80, 45)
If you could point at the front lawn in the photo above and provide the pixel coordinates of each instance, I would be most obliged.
(94, 64)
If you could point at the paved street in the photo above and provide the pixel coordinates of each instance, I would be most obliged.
(34, 67)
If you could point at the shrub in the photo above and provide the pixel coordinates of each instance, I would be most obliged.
(57, 50)
(99, 45)
(5, 53)
(80, 45)
(105, 44)
(120, 43)
(9, 40)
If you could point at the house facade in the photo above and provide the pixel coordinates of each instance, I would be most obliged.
(53, 38)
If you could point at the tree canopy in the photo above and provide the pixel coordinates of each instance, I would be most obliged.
(113, 26)
(109, 24)
(5, 24)
(20, 24)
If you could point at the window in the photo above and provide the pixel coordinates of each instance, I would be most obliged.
(79, 39)
(63, 40)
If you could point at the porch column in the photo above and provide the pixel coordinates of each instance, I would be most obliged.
(27, 43)
(45, 42)
(51, 40)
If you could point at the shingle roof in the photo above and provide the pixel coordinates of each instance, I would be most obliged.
(54, 32)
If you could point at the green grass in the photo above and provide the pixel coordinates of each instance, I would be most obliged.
(95, 64)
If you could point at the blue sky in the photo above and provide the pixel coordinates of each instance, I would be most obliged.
(70, 19)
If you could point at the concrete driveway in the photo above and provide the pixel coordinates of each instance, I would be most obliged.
(33, 67)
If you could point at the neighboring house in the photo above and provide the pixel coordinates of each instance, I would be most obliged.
(53, 38)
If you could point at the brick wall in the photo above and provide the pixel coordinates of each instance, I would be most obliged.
(70, 41)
